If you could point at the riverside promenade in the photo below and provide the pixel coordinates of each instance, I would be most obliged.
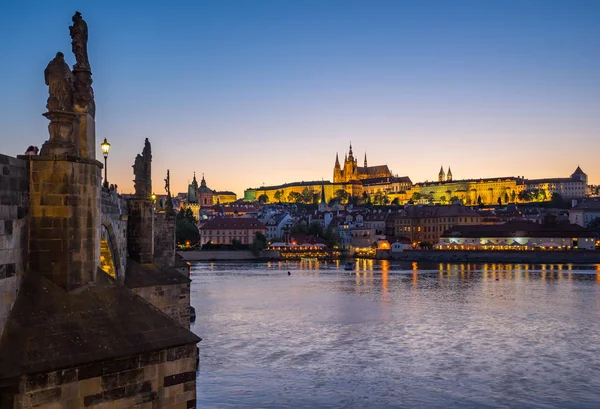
(534, 257)
(445, 256)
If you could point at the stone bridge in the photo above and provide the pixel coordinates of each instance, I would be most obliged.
(93, 311)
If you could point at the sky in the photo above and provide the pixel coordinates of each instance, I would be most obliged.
(267, 92)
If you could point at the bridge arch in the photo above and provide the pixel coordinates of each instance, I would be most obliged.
(109, 255)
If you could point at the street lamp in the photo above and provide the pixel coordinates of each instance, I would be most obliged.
(105, 148)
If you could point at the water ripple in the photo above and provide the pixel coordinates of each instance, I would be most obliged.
(389, 336)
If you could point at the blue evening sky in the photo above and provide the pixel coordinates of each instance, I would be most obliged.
(252, 92)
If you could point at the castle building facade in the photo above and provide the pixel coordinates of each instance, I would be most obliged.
(352, 172)
(378, 182)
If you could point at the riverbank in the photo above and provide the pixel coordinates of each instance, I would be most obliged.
(238, 255)
(446, 256)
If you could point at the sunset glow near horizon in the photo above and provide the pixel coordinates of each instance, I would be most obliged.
(266, 92)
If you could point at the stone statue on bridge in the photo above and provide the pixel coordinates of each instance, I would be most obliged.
(79, 39)
(60, 80)
(142, 170)
(169, 204)
(84, 93)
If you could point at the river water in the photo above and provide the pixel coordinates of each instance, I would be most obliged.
(400, 335)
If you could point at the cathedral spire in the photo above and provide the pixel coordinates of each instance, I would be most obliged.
(350, 155)
(441, 175)
(449, 174)
(203, 182)
(365, 159)
(337, 160)
(194, 181)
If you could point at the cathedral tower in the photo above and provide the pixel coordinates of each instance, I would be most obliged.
(337, 170)
(449, 175)
(441, 175)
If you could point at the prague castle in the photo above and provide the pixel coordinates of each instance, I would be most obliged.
(351, 171)
(370, 182)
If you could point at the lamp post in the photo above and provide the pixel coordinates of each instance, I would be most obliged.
(105, 148)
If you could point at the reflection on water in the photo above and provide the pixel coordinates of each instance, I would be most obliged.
(389, 335)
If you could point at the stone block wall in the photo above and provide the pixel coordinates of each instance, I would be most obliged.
(114, 214)
(64, 219)
(164, 239)
(140, 242)
(156, 380)
(14, 208)
(173, 300)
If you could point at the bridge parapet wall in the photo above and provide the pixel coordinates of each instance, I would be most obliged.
(114, 216)
(14, 210)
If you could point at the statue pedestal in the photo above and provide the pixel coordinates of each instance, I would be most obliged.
(62, 134)
(86, 135)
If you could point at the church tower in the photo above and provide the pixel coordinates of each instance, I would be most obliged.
(449, 175)
(441, 175)
(350, 166)
(365, 160)
(337, 170)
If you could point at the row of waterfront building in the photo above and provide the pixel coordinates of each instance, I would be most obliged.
(414, 226)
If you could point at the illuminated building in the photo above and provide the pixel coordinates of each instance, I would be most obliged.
(427, 223)
(378, 183)
(223, 230)
(202, 196)
(518, 236)
(351, 171)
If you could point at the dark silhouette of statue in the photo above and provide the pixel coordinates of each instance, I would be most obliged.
(169, 204)
(79, 39)
(83, 96)
(59, 79)
(142, 171)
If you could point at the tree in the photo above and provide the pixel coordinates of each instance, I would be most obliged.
(306, 196)
(595, 225)
(443, 199)
(479, 201)
(454, 199)
(513, 196)
(366, 198)
(342, 196)
(263, 198)
(186, 232)
(386, 200)
(505, 197)
(415, 197)
(258, 244)
(315, 229)
(295, 197)
(277, 195)
(378, 198)
(557, 201)
(396, 201)
(316, 198)
(499, 201)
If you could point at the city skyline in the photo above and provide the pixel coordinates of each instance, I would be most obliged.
(265, 92)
